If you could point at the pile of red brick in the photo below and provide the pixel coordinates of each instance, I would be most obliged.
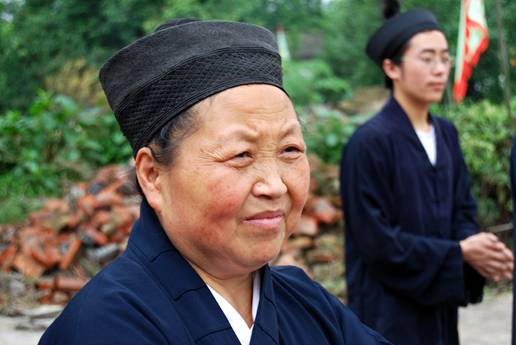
(65, 243)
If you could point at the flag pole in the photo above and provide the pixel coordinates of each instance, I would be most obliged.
(503, 59)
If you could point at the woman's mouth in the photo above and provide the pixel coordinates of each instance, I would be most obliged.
(266, 220)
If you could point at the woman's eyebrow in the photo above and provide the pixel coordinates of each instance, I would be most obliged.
(240, 133)
(291, 128)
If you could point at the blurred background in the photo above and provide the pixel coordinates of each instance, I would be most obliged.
(57, 133)
(55, 125)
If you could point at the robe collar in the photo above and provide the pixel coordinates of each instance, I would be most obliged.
(183, 285)
(399, 121)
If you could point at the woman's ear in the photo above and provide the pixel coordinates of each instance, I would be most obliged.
(391, 70)
(149, 177)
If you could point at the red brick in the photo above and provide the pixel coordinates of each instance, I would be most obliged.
(307, 226)
(87, 204)
(69, 284)
(38, 253)
(108, 199)
(7, 257)
(26, 265)
(45, 283)
(322, 210)
(95, 235)
(70, 255)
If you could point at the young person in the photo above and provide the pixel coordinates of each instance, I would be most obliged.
(413, 251)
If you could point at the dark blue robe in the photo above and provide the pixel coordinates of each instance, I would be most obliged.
(151, 295)
(404, 219)
(513, 187)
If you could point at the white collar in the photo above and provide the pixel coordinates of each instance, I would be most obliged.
(237, 322)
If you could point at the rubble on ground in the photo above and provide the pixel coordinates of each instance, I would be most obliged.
(62, 245)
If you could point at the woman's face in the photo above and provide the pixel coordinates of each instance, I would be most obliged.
(239, 184)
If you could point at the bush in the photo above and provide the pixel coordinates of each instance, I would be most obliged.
(486, 134)
(326, 131)
(56, 141)
(313, 82)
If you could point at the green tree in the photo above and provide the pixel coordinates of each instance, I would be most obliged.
(42, 35)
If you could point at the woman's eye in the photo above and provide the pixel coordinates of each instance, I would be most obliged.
(292, 151)
(242, 155)
(241, 159)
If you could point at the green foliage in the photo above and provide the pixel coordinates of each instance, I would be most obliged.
(56, 142)
(294, 14)
(37, 37)
(311, 82)
(44, 34)
(486, 134)
(18, 198)
(327, 130)
(41, 35)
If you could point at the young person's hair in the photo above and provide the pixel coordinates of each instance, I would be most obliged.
(390, 8)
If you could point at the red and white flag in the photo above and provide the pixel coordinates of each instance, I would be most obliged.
(473, 41)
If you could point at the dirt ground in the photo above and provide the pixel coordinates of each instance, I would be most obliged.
(488, 323)
(9, 335)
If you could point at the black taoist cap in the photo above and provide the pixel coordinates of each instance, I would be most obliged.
(396, 31)
(159, 76)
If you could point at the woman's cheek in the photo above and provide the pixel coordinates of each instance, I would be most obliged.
(226, 195)
(301, 180)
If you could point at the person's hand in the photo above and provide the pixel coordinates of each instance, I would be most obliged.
(488, 255)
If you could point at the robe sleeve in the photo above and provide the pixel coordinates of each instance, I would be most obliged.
(464, 222)
(426, 270)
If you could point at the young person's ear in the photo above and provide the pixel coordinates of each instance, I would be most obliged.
(391, 70)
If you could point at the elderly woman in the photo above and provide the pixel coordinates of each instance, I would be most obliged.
(221, 162)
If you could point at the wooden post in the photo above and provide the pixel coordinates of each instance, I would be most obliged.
(504, 60)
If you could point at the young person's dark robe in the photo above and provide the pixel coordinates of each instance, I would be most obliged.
(152, 296)
(404, 219)
(513, 187)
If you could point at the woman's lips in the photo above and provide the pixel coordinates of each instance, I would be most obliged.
(266, 220)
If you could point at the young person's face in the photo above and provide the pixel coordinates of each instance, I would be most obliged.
(424, 69)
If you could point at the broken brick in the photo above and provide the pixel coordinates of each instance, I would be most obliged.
(7, 257)
(307, 226)
(87, 204)
(69, 284)
(26, 265)
(90, 235)
(108, 199)
(45, 283)
(100, 218)
(323, 210)
(40, 255)
(70, 255)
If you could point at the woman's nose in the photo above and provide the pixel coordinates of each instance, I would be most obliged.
(270, 183)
